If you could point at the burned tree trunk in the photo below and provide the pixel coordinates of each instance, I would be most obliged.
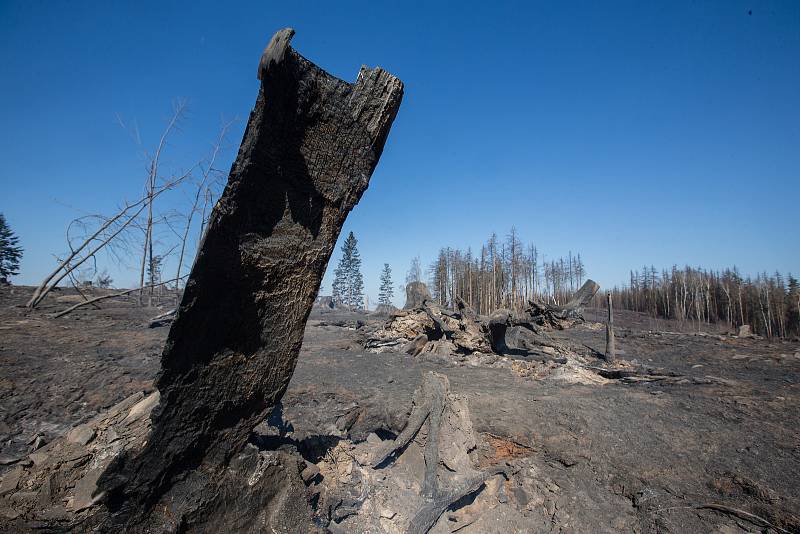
(610, 349)
(311, 144)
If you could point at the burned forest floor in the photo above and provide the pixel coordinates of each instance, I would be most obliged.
(704, 437)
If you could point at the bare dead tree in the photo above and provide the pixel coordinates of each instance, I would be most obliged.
(179, 110)
(89, 234)
(706, 297)
(109, 229)
(73, 261)
(209, 175)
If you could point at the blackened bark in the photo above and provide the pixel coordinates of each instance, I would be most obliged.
(310, 147)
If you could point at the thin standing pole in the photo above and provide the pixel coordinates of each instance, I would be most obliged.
(610, 349)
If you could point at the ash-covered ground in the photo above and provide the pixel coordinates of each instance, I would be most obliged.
(708, 442)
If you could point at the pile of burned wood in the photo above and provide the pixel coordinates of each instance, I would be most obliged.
(431, 328)
(425, 327)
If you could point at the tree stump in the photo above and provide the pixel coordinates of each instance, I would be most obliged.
(310, 146)
(416, 295)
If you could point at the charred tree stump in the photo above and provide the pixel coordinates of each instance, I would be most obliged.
(416, 295)
(498, 325)
(436, 496)
(310, 147)
(610, 348)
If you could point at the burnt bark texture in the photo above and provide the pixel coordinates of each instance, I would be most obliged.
(310, 146)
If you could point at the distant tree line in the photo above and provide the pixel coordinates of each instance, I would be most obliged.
(502, 274)
(770, 304)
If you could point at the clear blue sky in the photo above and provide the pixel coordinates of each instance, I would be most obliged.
(631, 132)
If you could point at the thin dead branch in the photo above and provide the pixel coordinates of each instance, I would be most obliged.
(202, 190)
(73, 261)
(104, 297)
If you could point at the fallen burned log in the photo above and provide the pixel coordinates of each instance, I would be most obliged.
(310, 146)
(644, 375)
(430, 328)
(559, 317)
(162, 319)
(510, 339)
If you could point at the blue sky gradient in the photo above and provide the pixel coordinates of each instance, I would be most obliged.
(631, 132)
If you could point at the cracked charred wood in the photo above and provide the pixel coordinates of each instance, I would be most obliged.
(415, 346)
(430, 402)
(443, 328)
(459, 330)
(310, 146)
(558, 317)
(443, 498)
(430, 394)
(460, 327)
(466, 312)
(583, 296)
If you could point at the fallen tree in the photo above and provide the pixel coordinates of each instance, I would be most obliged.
(93, 300)
(309, 149)
(559, 317)
(425, 327)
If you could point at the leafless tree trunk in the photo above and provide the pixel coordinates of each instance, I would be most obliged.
(150, 187)
(202, 190)
(610, 348)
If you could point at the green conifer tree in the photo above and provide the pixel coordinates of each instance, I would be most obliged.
(348, 283)
(10, 252)
(386, 291)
